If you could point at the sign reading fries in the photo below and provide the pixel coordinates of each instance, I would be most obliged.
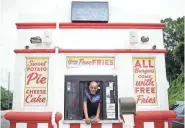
(145, 81)
(75, 61)
(36, 83)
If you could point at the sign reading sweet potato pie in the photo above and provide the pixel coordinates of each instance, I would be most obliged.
(36, 82)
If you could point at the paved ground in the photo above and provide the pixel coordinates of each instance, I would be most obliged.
(4, 123)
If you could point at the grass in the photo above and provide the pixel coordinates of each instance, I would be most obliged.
(176, 90)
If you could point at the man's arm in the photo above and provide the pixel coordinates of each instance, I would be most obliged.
(87, 120)
(98, 112)
(85, 110)
(85, 105)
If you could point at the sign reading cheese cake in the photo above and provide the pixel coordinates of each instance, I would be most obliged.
(36, 83)
(79, 61)
(145, 86)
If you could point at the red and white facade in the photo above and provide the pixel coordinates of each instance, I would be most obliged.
(90, 40)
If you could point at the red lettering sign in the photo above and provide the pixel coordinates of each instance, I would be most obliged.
(90, 61)
(36, 99)
(36, 77)
(145, 81)
(36, 81)
(143, 64)
(145, 100)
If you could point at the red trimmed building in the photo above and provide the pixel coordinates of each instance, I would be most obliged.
(56, 59)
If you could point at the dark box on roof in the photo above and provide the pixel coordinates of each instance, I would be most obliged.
(89, 11)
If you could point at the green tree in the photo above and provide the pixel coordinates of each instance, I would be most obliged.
(174, 43)
(6, 99)
(169, 33)
(179, 50)
(172, 67)
(180, 29)
(179, 54)
(173, 34)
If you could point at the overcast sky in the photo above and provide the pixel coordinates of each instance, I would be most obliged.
(162, 8)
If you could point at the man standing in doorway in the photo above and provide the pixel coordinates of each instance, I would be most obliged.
(91, 105)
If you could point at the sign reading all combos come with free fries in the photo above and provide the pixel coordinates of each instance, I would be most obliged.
(79, 61)
(145, 81)
(36, 83)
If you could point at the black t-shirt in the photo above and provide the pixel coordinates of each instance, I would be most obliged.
(92, 102)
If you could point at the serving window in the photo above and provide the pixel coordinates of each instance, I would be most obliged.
(75, 87)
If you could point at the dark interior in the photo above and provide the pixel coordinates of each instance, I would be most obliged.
(74, 95)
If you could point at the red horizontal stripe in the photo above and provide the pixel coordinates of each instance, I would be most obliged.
(36, 25)
(34, 50)
(99, 125)
(31, 116)
(112, 25)
(90, 51)
(112, 51)
(91, 25)
(161, 115)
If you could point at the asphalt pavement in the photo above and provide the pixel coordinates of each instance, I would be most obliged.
(4, 123)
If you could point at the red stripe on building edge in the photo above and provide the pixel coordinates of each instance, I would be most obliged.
(111, 25)
(50, 125)
(76, 125)
(159, 124)
(36, 25)
(117, 125)
(139, 124)
(112, 51)
(96, 125)
(91, 51)
(12, 124)
(90, 25)
(32, 125)
(34, 50)
(31, 118)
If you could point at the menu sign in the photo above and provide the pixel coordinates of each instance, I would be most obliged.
(36, 82)
(79, 61)
(145, 81)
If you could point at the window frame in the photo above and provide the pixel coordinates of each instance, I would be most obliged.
(104, 79)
